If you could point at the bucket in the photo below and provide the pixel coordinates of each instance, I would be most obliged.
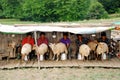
(80, 57)
(41, 58)
(26, 59)
(63, 56)
(104, 57)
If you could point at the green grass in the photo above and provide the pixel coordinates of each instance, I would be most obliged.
(17, 21)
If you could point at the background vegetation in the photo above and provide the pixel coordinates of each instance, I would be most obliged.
(58, 10)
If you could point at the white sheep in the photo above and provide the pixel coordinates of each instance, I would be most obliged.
(26, 49)
(41, 49)
(57, 49)
(102, 48)
(84, 50)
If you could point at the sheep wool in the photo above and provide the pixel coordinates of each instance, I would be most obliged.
(42, 49)
(26, 49)
(58, 48)
(84, 50)
(92, 45)
(102, 48)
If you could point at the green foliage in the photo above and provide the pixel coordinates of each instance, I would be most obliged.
(111, 6)
(96, 11)
(9, 8)
(57, 10)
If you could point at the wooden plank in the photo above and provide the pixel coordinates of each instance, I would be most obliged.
(67, 63)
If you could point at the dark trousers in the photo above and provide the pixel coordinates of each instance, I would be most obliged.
(32, 55)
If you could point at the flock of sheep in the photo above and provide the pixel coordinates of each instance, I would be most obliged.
(85, 50)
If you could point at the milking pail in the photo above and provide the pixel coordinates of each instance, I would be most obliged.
(104, 57)
(26, 58)
(80, 57)
(63, 56)
(41, 57)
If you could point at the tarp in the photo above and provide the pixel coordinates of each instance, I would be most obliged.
(75, 30)
(117, 23)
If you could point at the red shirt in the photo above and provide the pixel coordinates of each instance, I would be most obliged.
(27, 40)
(40, 41)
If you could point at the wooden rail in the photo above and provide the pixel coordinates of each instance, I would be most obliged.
(11, 64)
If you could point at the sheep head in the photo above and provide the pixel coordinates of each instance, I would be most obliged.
(35, 47)
(52, 45)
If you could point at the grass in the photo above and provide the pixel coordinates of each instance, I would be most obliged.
(17, 21)
(61, 74)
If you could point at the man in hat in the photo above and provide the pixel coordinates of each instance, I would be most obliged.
(104, 39)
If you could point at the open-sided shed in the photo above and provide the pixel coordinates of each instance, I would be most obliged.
(16, 32)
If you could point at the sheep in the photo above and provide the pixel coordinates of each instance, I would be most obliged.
(12, 48)
(92, 45)
(101, 48)
(26, 49)
(57, 49)
(41, 49)
(84, 50)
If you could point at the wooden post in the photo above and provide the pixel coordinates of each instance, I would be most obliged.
(35, 37)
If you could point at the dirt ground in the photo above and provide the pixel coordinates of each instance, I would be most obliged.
(60, 74)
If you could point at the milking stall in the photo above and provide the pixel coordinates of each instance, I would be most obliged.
(12, 36)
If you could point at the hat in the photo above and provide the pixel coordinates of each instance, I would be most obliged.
(29, 34)
(42, 33)
(79, 35)
(65, 34)
(103, 34)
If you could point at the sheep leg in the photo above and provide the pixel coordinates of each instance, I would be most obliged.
(96, 57)
(38, 57)
(22, 59)
(23, 56)
(14, 50)
(54, 57)
(87, 58)
(83, 58)
(57, 57)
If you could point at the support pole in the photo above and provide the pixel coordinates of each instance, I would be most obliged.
(35, 37)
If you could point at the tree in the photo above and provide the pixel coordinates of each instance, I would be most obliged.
(55, 10)
(96, 11)
(10, 8)
(52, 10)
(111, 6)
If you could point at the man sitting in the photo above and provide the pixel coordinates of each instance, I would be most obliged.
(104, 39)
(29, 40)
(43, 39)
(67, 42)
(79, 41)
